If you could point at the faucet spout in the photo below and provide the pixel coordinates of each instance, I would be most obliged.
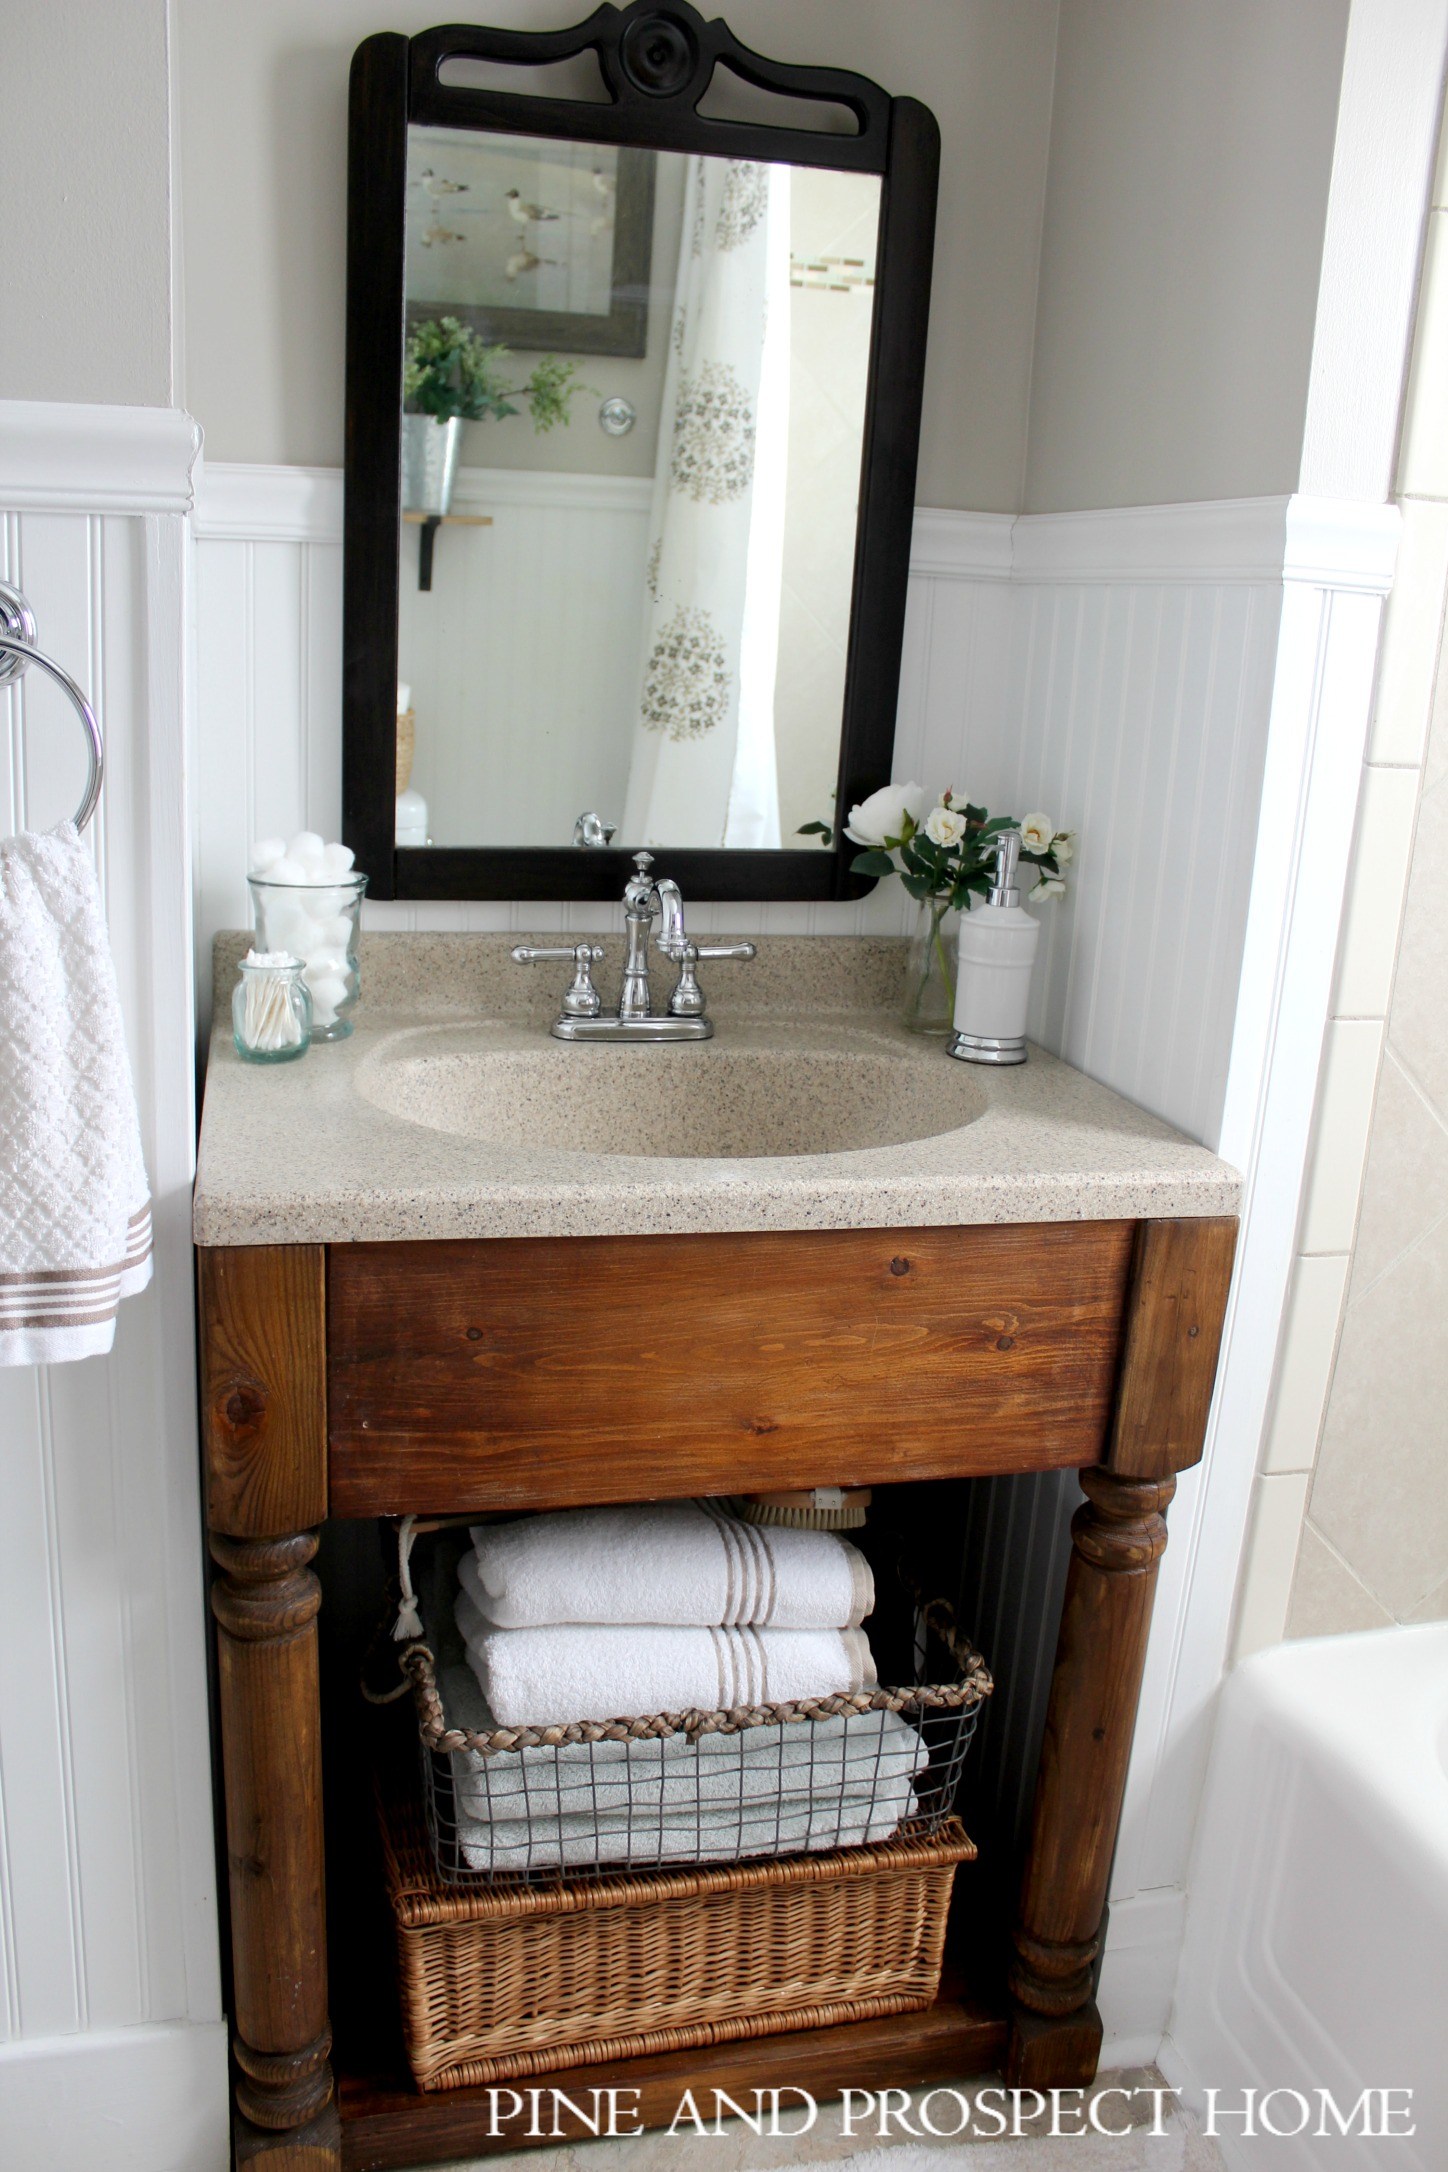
(671, 937)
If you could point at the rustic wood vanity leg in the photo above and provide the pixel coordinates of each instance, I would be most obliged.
(264, 1418)
(1117, 1538)
(1175, 1307)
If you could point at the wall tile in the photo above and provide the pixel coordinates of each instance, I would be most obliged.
(1377, 879)
(1378, 1494)
(1418, 1029)
(1411, 627)
(1266, 1581)
(1340, 1134)
(1405, 1189)
(1326, 1597)
(1304, 1363)
(1423, 466)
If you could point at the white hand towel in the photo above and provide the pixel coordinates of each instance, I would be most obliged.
(539, 1677)
(75, 1211)
(689, 1563)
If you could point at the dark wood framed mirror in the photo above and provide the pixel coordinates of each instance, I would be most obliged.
(688, 624)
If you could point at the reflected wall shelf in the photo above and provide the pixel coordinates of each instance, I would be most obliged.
(429, 523)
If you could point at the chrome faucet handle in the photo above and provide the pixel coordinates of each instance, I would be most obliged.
(639, 889)
(582, 999)
(687, 1000)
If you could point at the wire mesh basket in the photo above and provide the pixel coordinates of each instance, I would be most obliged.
(526, 1805)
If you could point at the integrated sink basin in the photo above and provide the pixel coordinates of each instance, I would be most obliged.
(821, 1090)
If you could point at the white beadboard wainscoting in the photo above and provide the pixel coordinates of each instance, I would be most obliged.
(1186, 685)
(112, 2045)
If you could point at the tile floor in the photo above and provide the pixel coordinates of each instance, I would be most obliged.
(1177, 2145)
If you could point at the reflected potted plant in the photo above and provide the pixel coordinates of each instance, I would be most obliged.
(450, 376)
(945, 858)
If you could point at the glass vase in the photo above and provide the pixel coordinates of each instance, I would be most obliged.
(929, 1003)
(318, 923)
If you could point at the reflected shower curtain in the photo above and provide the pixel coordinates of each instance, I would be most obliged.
(703, 770)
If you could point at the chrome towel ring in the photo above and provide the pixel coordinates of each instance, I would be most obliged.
(17, 653)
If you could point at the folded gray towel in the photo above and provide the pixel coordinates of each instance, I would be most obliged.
(763, 1791)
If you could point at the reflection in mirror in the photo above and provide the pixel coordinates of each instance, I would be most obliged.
(648, 626)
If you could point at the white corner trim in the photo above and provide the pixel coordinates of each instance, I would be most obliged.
(64, 456)
(1341, 543)
(237, 502)
(946, 545)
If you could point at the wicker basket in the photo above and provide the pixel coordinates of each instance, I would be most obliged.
(500, 1983)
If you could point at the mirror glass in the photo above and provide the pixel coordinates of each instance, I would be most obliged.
(636, 604)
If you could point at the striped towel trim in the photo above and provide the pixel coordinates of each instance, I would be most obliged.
(50, 1314)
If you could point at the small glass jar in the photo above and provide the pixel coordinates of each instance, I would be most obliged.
(271, 1008)
(319, 923)
(929, 998)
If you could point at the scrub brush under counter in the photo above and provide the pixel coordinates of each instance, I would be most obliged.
(816, 1508)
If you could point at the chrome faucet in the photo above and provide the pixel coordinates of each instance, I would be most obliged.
(582, 1017)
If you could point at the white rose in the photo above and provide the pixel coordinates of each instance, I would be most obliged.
(1036, 833)
(1063, 844)
(884, 813)
(1049, 886)
(943, 826)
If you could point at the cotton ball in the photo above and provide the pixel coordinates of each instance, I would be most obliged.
(324, 965)
(286, 869)
(307, 846)
(265, 853)
(338, 859)
(328, 995)
(335, 932)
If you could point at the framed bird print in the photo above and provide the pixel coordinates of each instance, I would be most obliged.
(539, 243)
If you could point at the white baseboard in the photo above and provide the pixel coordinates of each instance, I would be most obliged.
(124, 2100)
(1138, 1976)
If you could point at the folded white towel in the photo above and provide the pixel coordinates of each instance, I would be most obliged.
(714, 1836)
(854, 1755)
(689, 1563)
(75, 1212)
(536, 1677)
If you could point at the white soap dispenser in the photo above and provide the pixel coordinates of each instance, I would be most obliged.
(997, 951)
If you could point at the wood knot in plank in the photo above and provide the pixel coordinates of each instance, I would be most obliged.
(241, 1409)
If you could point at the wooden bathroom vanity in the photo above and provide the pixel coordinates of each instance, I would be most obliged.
(351, 1377)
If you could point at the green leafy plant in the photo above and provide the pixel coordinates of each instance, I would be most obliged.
(448, 370)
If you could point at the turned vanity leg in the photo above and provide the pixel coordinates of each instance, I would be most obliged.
(264, 1420)
(266, 1601)
(1117, 1539)
(1171, 1334)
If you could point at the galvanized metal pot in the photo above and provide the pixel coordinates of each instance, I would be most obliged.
(429, 462)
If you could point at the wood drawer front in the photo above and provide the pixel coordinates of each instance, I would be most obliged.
(544, 1372)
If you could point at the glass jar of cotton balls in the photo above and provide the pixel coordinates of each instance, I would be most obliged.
(307, 899)
(271, 1008)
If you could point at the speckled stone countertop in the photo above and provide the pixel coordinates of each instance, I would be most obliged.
(389, 1135)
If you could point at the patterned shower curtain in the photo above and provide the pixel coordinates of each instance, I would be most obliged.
(703, 769)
